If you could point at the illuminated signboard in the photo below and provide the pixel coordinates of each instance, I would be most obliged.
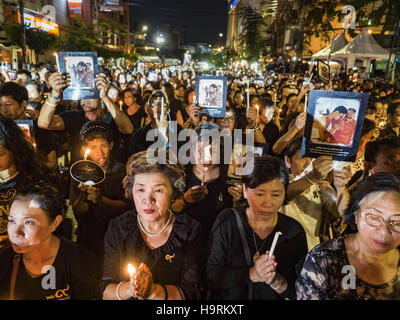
(233, 4)
(75, 7)
(39, 21)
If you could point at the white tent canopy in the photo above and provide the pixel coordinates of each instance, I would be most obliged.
(364, 47)
(337, 43)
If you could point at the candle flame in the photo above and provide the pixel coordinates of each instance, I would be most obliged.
(131, 269)
(87, 153)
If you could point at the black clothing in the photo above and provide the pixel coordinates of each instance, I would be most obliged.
(218, 198)
(227, 271)
(175, 106)
(74, 120)
(73, 276)
(271, 135)
(387, 132)
(92, 225)
(174, 263)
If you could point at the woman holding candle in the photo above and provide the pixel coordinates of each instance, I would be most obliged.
(243, 270)
(165, 246)
(365, 264)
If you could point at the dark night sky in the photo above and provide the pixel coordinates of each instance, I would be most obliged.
(197, 20)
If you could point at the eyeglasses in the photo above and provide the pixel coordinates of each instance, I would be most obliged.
(377, 221)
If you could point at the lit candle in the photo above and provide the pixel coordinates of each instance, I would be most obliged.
(305, 103)
(257, 110)
(271, 251)
(204, 175)
(86, 153)
(274, 100)
(132, 271)
(162, 108)
(120, 105)
(248, 94)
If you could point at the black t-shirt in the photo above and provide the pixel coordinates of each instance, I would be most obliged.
(8, 191)
(175, 106)
(92, 225)
(271, 135)
(72, 268)
(217, 199)
(74, 120)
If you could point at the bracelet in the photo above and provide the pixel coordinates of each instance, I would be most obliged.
(165, 292)
(309, 180)
(281, 282)
(51, 104)
(117, 291)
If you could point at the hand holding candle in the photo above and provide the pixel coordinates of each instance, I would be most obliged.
(271, 251)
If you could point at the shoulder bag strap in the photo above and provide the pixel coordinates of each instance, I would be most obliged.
(14, 274)
(246, 248)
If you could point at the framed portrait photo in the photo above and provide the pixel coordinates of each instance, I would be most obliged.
(211, 95)
(27, 128)
(82, 68)
(324, 71)
(334, 124)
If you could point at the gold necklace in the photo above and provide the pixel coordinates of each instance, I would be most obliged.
(257, 255)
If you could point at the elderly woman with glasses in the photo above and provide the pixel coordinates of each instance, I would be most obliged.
(364, 265)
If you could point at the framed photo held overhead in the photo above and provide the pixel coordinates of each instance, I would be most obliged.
(324, 71)
(211, 95)
(334, 124)
(82, 69)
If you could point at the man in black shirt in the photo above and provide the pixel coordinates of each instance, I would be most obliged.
(392, 128)
(13, 102)
(72, 121)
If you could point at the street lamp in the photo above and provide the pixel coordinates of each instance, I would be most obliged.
(221, 35)
(145, 28)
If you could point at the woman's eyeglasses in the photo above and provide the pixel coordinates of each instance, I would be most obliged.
(377, 221)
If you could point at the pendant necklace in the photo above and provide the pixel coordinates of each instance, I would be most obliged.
(257, 255)
(159, 232)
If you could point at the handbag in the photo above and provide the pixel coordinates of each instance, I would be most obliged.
(246, 248)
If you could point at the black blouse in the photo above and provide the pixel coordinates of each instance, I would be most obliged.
(227, 271)
(174, 263)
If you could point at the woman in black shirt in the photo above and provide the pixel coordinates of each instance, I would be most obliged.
(164, 248)
(46, 267)
(231, 273)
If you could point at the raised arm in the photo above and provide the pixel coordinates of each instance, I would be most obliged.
(121, 119)
(47, 118)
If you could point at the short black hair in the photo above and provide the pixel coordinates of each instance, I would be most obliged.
(378, 182)
(341, 109)
(293, 146)
(373, 148)
(392, 108)
(14, 90)
(25, 72)
(94, 130)
(266, 168)
(47, 196)
(368, 126)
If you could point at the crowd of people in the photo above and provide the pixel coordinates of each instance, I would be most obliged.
(197, 230)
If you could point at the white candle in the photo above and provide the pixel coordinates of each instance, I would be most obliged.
(274, 100)
(57, 62)
(271, 251)
(162, 108)
(305, 103)
(257, 110)
(248, 94)
(120, 105)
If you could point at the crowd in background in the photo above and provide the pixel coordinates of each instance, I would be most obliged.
(194, 231)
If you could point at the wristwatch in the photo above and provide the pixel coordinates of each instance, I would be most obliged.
(54, 98)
